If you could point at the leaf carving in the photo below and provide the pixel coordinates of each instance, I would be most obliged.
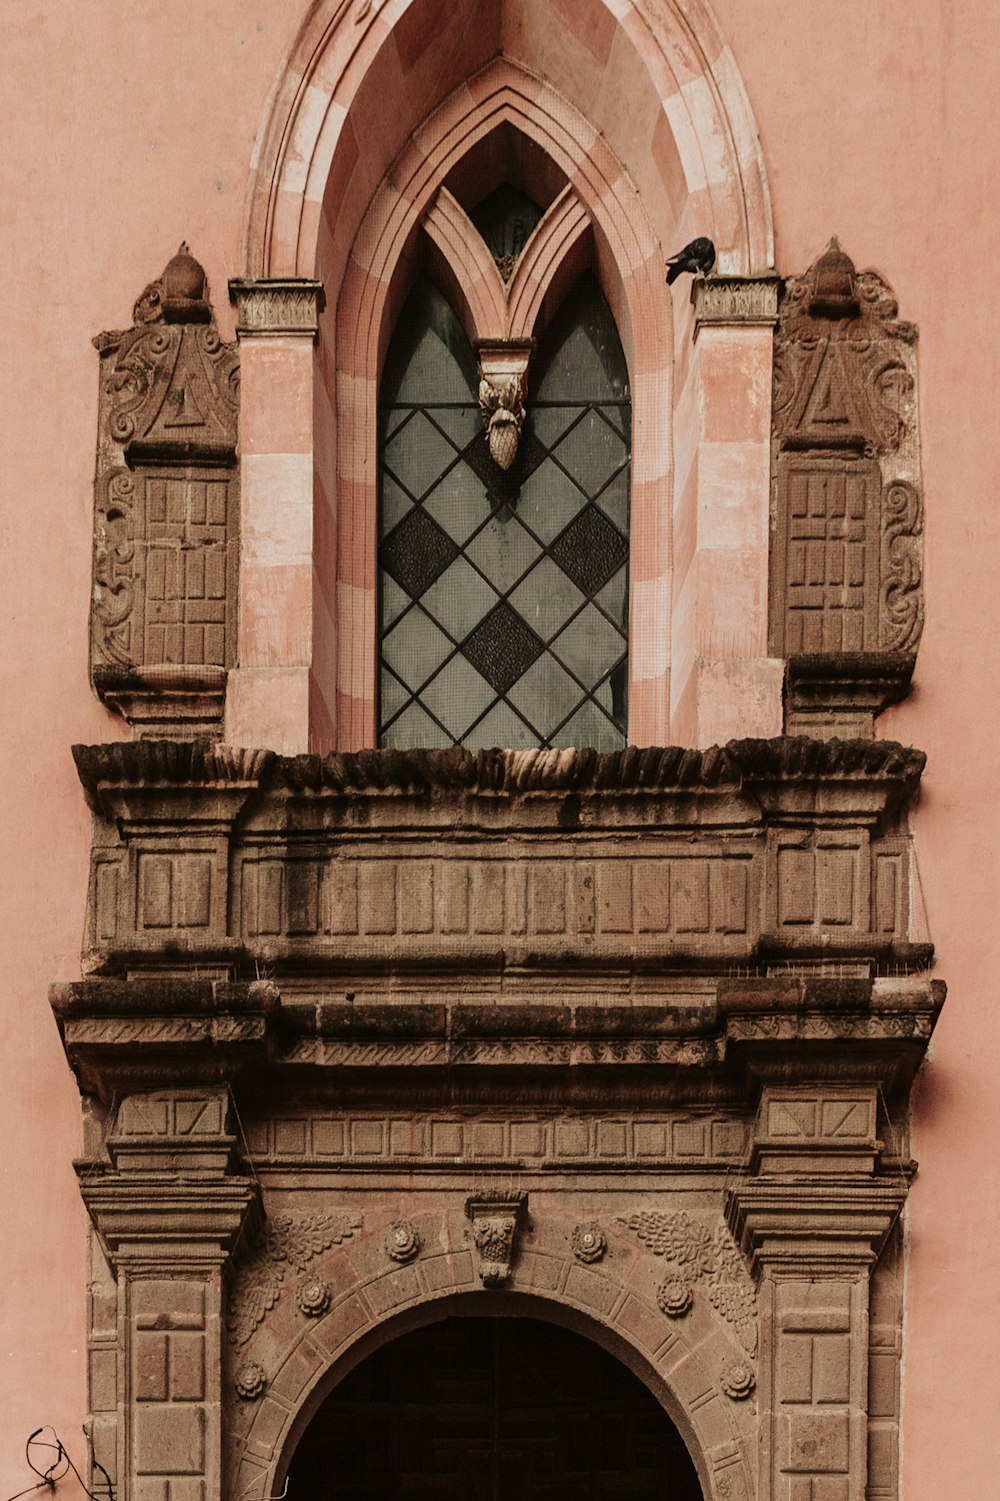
(696, 1252)
(284, 1241)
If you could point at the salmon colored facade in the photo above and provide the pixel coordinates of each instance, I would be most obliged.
(304, 143)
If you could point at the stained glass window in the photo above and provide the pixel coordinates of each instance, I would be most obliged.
(503, 594)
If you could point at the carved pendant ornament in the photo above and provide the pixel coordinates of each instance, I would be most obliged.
(698, 1255)
(285, 1243)
(497, 1215)
(846, 466)
(502, 406)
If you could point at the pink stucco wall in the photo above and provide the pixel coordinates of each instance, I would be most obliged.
(131, 125)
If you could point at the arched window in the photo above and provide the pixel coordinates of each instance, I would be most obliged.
(503, 594)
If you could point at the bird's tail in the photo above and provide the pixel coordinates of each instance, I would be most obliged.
(673, 272)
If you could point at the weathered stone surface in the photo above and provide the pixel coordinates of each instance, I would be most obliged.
(163, 620)
(499, 864)
(846, 548)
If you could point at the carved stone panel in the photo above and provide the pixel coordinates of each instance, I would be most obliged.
(847, 512)
(166, 510)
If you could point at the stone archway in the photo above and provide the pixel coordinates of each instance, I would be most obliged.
(493, 1408)
(289, 1366)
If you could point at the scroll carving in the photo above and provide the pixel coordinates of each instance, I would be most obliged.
(846, 467)
(163, 608)
(695, 1254)
(286, 1242)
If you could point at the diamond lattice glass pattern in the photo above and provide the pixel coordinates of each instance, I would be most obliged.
(503, 596)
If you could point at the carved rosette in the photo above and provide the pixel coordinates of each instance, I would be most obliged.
(589, 1243)
(402, 1241)
(313, 1296)
(166, 506)
(737, 1380)
(846, 467)
(285, 1242)
(497, 1215)
(674, 1297)
(698, 1255)
(250, 1381)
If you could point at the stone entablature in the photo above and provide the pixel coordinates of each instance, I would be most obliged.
(437, 867)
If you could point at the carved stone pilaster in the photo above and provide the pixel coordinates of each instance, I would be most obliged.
(497, 1215)
(163, 619)
(168, 1208)
(277, 306)
(812, 1224)
(735, 301)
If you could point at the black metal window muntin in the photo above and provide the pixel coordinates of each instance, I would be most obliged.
(396, 560)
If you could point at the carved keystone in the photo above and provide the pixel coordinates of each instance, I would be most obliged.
(497, 1215)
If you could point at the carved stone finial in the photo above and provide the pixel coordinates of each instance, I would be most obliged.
(834, 291)
(497, 1214)
(184, 289)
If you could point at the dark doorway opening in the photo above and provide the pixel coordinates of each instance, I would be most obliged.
(492, 1409)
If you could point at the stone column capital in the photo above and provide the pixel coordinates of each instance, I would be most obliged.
(277, 306)
(735, 301)
(813, 1228)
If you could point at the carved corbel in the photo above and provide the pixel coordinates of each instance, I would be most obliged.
(497, 1216)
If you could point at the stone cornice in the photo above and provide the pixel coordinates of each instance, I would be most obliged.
(140, 1035)
(273, 307)
(741, 764)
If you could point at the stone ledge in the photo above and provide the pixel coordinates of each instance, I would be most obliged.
(735, 301)
(831, 694)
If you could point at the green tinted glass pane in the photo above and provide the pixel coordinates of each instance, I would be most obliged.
(547, 598)
(430, 358)
(459, 599)
(458, 696)
(504, 728)
(503, 550)
(590, 645)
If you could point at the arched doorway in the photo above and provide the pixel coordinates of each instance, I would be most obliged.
(492, 1409)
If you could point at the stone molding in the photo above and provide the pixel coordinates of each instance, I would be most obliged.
(840, 694)
(735, 301)
(277, 307)
(500, 863)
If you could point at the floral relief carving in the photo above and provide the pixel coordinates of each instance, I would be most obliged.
(674, 1297)
(313, 1296)
(589, 1243)
(250, 1381)
(737, 1380)
(286, 1242)
(402, 1241)
(697, 1254)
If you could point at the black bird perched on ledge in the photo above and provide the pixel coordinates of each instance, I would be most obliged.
(698, 256)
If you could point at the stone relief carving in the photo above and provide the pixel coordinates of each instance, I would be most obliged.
(737, 1380)
(502, 406)
(589, 1243)
(250, 1381)
(846, 466)
(674, 1297)
(699, 1255)
(285, 1242)
(163, 610)
(402, 1241)
(497, 1214)
(313, 1296)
